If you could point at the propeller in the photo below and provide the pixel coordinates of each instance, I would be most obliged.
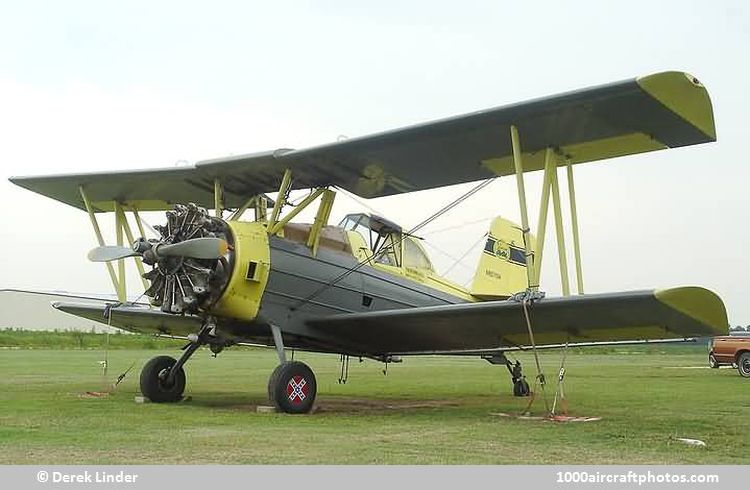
(196, 248)
(190, 261)
(110, 252)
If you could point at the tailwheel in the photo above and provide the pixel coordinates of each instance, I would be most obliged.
(520, 385)
(156, 383)
(292, 387)
(521, 388)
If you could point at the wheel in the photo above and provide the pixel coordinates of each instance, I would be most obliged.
(153, 380)
(292, 387)
(521, 388)
(743, 364)
(712, 361)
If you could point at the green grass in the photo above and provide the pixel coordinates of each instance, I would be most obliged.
(427, 410)
(17, 338)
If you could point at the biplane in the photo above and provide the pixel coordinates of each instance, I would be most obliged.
(366, 287)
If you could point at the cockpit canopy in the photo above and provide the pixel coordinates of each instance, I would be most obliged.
(387, 241)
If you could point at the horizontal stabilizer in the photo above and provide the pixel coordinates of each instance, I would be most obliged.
(638, 315)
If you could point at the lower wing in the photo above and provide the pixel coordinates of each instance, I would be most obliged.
(135, 318)
(498, 325)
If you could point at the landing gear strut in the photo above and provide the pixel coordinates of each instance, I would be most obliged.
(520, 385)
(292, 386)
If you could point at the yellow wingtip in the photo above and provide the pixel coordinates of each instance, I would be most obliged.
(698, 303)
(684, 95)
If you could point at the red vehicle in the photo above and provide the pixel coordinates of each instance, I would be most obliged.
(731, 350)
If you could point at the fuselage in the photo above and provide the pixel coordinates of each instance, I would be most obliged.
(335, 281)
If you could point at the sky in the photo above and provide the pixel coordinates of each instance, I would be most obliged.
(100, 85)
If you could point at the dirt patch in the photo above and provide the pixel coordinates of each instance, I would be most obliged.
(548, 418)
(92, 394)
(362, 405)
(326, 405)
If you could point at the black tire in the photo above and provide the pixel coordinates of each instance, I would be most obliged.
(292, 387)
(712, 361)
(521, 388)
(272, 382)
(153, 385)
(743, 364)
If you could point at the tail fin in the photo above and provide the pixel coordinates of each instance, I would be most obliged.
(502, 267)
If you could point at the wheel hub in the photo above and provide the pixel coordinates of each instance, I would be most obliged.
(163, 377)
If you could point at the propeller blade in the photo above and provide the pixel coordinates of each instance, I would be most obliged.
(110, 252)
(197, 248)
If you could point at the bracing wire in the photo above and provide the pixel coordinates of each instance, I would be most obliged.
(463, 256)
(540, 374)
(454, 259)
(453, 204)
(456, 227)
(359, 201)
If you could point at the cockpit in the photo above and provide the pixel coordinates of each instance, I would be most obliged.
(388, 243)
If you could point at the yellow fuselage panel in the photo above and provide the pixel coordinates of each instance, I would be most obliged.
(425, 277)
(502, 264)
(252, 264)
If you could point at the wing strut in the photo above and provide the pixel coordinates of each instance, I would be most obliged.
(218, 198)
(122, 231)
(518, 162)
(562, 255)
(574, 224)
(550, 190)
(100, 241)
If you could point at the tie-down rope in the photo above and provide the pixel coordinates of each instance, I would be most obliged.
(527, 298)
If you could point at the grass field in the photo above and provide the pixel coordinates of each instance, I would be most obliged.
(427, 410)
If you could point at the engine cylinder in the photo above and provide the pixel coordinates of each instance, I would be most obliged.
(182, 285)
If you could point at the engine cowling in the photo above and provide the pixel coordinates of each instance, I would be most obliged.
(231, 285)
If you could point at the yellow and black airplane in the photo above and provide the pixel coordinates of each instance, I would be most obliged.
(366, 287)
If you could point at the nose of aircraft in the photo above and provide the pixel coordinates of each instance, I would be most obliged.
(250, 264)
(202, 264)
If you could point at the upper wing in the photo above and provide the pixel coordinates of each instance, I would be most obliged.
(156, 189)
(658, 111)
(659, 314)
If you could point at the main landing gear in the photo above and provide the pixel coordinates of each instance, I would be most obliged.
(163, 379)
(520, 385)
(292, 386)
